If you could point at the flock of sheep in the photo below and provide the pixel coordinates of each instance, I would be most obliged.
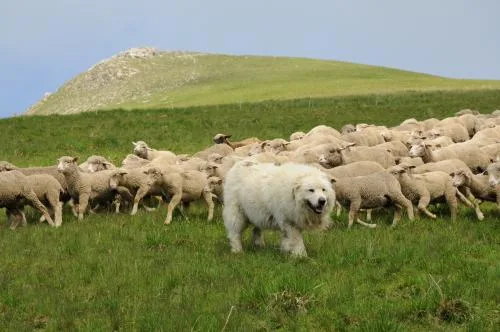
(414, 164)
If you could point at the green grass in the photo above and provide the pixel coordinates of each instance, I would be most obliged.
(114, 272)
(190, 79)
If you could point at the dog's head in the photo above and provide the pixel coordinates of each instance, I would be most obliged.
(316, 192)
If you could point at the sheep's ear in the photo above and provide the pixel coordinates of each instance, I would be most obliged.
(412, 166)
(75, 159)
(438, 146)
(219, 181)
(333, 180)
(227, 136)
(134, 143)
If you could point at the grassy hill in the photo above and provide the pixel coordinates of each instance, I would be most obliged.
(153, 79)
(122, 272)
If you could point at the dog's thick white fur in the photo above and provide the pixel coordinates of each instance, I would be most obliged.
(290, 198)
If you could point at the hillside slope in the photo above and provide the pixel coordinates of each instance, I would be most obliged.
(148, 78)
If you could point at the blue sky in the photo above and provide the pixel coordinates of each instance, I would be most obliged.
(45, 43)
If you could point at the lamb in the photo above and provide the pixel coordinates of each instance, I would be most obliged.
(140, 182)
(474, 158)
(223, 139)
(14, 189)
(142, 150)
(222, 149)
(486, 136)
(396, 135)
(493, 171)
(442, 141)
(451, 127)
(49, 191)
(477, 186)
(492, 150)
(448, 166)
(133, 161)
(96, 164)
(324, 130)
(422, 189)
(349, 155)
(298, 135)
(371, 191)
(88, 186)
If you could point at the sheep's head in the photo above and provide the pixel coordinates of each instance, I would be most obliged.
(66, 163)
(6, 166)
(221, 138)
(98, 163)
(215, 185)
(461, 177)
(154, 175)
(297, 135)
(141, 149)
(215, 158)
(331, 157)
(493, 172)
(275, 146)
(397, 170)
(417, 150)
(210, 168)
(116, 179)
(348, 128)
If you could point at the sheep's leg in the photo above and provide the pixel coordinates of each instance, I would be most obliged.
(397, 215)
(292, 241)
(339, 208)
(82, 206)
(361, 222)
(143, 190)
(353, 212)
(472, 204)
(257, 239)
(14, 219)
(31, 196)
(74, 207)
(398, 198)
(369, 215)
(451, 199)
(423, 202)
(184, 206)
(207, 195)
(58, 214)
(171, 206)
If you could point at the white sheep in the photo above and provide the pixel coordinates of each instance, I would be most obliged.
(371, 191)
(96, 164)
(473, 157)
(224, 139)
(16, 191)
(477, 186)
(85, 187)
(426, 188)
(493, 171)
(142, 150)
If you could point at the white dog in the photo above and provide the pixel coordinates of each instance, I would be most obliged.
(290, 197)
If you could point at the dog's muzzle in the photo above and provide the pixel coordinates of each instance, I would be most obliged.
(318, 207)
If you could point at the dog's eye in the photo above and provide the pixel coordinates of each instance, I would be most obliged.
(311, 190)
(324, 189)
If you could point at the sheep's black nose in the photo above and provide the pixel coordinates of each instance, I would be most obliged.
(321, 201)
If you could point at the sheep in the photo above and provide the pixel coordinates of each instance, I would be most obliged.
(222, 149)
(14, 189)
(223, 139)
(422, 189)
(298, 135)
(348, 128)
(477, 186)
(486, 136)
(49, 191)
(274, 146)
(371, 191)
(455, 130)
(133, 161)
(142, 150)
(372, 133)
(442, 141)
(417, 161)
(192, 164)
(448, 166)
(492, 150)
(87, 186)
(475, 159)
(322, 153)
(493, 171)
(139, 181)
(95, 164)
(349, 155)
(323, 130)
(398, 149)
(396, 135)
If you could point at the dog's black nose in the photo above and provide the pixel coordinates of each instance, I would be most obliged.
(321, 201)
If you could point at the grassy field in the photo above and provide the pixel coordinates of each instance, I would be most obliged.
(121, 272)
(189, 79)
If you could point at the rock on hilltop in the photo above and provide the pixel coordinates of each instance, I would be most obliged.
(133, 75)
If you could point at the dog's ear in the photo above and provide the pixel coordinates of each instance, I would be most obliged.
(295, 188)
